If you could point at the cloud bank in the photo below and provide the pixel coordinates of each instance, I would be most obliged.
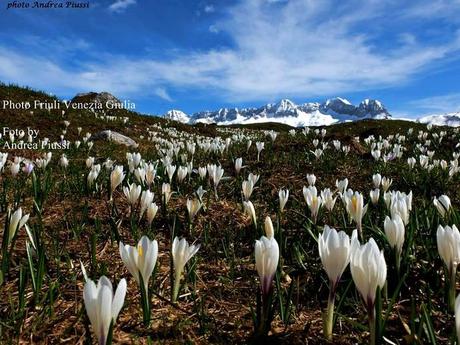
(278, 48)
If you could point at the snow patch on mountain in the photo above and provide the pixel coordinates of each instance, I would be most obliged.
(177, 115)
(285, 111)
(449, 119)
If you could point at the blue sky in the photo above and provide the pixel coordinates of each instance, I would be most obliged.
(197, 55)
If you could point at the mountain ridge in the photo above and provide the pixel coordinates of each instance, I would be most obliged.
(331, 111)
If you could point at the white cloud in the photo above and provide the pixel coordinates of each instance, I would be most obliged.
(209, 8)
(214, 29)
(121, 5)
(297, 49)
(162, 93)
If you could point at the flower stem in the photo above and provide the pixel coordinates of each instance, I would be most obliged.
(453, 274)
(371, 316)
(328, 321)
(175, 294)
(145, 301)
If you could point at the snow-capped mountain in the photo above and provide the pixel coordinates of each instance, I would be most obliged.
(177, 115)
(285, 111)
(449, 119)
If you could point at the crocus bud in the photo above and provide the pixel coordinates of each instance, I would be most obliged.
(334, 251)
(442, 204)
(376, 179)
(267, 256)
(166, 192)
(448, 240)
(238, 165)
(368, 270)
(116, 177)
(146, 201)
(268, 226)
(311, 178)
(151, 212)
(375, 195)
(63, 161)
(394, 230)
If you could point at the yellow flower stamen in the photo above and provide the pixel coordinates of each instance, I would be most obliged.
(354, 202)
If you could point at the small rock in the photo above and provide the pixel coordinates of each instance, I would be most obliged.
(115, 137)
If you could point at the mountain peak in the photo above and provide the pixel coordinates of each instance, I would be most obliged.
(177, 115)
(374, 107)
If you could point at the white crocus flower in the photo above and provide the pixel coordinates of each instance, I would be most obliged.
(254, 178)
(200, 193)
(16, 222)
(386, 183)
(166, 192)
(170, 169)
(328, 200)
(146, 201)
(283, 195)
(89, 162)
(342, 185)
(193, 206)
(140, 173)
(238, 165)
(334, 251)
(448, 240)
(250, 211)
(182, 252)
(356, 209)
(102, 305)
(63, 161)
(140, 259)
(132, 193)
(394, 230)
(368, 270)
(247, 188)
(260, 146)
(116, 178)
(151, 212)
(313, 201)
(181, 174)
(202, 171)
